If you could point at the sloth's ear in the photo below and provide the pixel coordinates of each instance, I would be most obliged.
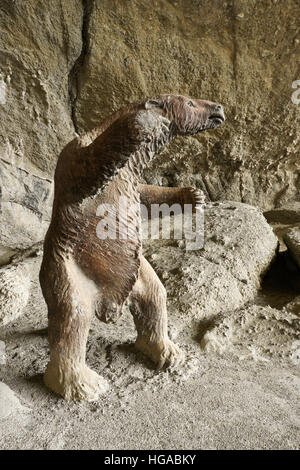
(156, 103)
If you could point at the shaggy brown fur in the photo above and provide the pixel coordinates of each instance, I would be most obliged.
(82, 274)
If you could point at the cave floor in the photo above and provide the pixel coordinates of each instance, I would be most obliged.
(212, 402)
(222, 406)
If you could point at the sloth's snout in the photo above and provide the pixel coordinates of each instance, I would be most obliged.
(217, 114)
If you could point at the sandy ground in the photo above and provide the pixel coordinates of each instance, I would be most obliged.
(212, 402)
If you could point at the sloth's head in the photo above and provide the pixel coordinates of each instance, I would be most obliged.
(187, 116)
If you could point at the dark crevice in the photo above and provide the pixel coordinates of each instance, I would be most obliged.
(281, 283)
(235, 50)
(21, 254)
(73, 81)
(109, 354)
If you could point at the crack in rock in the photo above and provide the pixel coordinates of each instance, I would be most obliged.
(73, 84)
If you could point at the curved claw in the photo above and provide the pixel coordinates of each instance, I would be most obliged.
(195, 196)
(199, 197)
(171, 356)
(164, 354)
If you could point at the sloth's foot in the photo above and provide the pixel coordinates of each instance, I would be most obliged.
(82, 384)
(163, 354)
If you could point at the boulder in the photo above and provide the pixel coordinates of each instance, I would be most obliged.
(15, 288)
(10, 405)
(292, 241)
(256, 332)
(225, 273)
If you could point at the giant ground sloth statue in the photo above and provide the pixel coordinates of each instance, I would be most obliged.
(81, 273)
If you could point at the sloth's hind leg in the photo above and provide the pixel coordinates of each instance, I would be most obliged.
(147, 303)
(69, 296)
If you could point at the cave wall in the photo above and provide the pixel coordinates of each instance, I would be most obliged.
(66, 64)
(40, 42)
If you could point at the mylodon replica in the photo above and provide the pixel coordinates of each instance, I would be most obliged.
(82, 273)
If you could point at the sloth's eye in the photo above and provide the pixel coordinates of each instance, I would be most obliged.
(191, 104)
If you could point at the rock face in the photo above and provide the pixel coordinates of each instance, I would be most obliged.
(239, 246)
(65, 66)
(237, 53)
(25, 207)
(40, 44)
